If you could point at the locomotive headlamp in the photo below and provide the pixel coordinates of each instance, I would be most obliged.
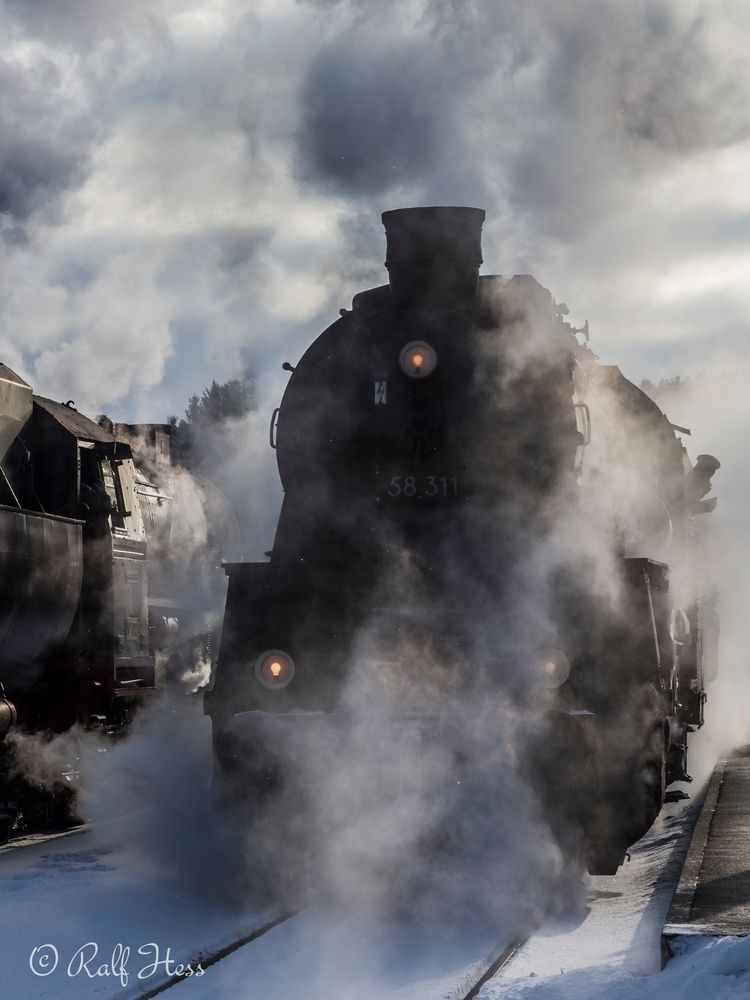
(553, 665)
(274, 669)
(418, 359)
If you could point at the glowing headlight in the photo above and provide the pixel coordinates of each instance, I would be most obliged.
(274, 669)
(553, 665)
(418, 359)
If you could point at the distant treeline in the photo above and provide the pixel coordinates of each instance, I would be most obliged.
(215, 405)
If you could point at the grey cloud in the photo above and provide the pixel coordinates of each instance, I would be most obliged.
(78, 23)
(32, 171)
(624, 90)
(44, 142)
(565, 105)
(366, 123)
(553, 116)
(358, 259)
(395, 101)
(237, 248)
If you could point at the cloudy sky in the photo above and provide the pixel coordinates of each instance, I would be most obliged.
(190, 189)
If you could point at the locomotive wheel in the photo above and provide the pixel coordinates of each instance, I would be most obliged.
(633, 806)
(649, 784)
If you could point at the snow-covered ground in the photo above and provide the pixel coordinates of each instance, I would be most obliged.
(327, 955)
(144, 872)
(152, 879)
(62, 898)
(708, 969)
(619, 935)
(615, 951)
(69, 892)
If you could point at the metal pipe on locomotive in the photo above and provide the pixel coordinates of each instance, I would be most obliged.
(450, 421)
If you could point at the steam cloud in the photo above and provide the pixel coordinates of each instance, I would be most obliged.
(715, 408)
(188, 187)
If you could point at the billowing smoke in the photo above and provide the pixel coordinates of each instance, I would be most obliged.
(221, 172)
(714, 407)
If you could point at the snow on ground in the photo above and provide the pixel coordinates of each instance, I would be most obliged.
(151, 877)
(710, 969)
(60, 896)
(329, 955)
(349, 957)
(622, 930)
(64, 894)
(143, 880)
(615, 951)
(143, 872)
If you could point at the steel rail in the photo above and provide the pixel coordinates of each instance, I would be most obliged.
(495, 966)
(207, 960)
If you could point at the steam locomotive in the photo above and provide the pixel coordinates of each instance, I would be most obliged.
(86, 518)
(501, 517)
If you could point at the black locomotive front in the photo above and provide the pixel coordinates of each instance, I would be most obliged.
(426, 442)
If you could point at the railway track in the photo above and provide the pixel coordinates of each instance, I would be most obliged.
(282, 958)
(464, 987)
(320, 951)
(36, 839)
(205, 960)
(495, 966)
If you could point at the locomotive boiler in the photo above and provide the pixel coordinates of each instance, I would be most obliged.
(500, 516)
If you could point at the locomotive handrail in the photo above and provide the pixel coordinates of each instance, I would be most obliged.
(655, 630)
(586, 414)
(678, 615)
(272, 428)
(40, 513)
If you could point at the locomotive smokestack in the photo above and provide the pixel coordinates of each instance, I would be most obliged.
(433, 255)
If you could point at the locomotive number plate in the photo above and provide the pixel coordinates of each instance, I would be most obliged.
(417, 486)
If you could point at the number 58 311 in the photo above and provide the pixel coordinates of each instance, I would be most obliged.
(423, 486)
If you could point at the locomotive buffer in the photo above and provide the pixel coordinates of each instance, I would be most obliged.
(713, 894)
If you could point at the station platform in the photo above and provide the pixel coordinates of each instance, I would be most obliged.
(713, 894)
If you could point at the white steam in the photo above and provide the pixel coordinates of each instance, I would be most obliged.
(184, 184)
(715, 408)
